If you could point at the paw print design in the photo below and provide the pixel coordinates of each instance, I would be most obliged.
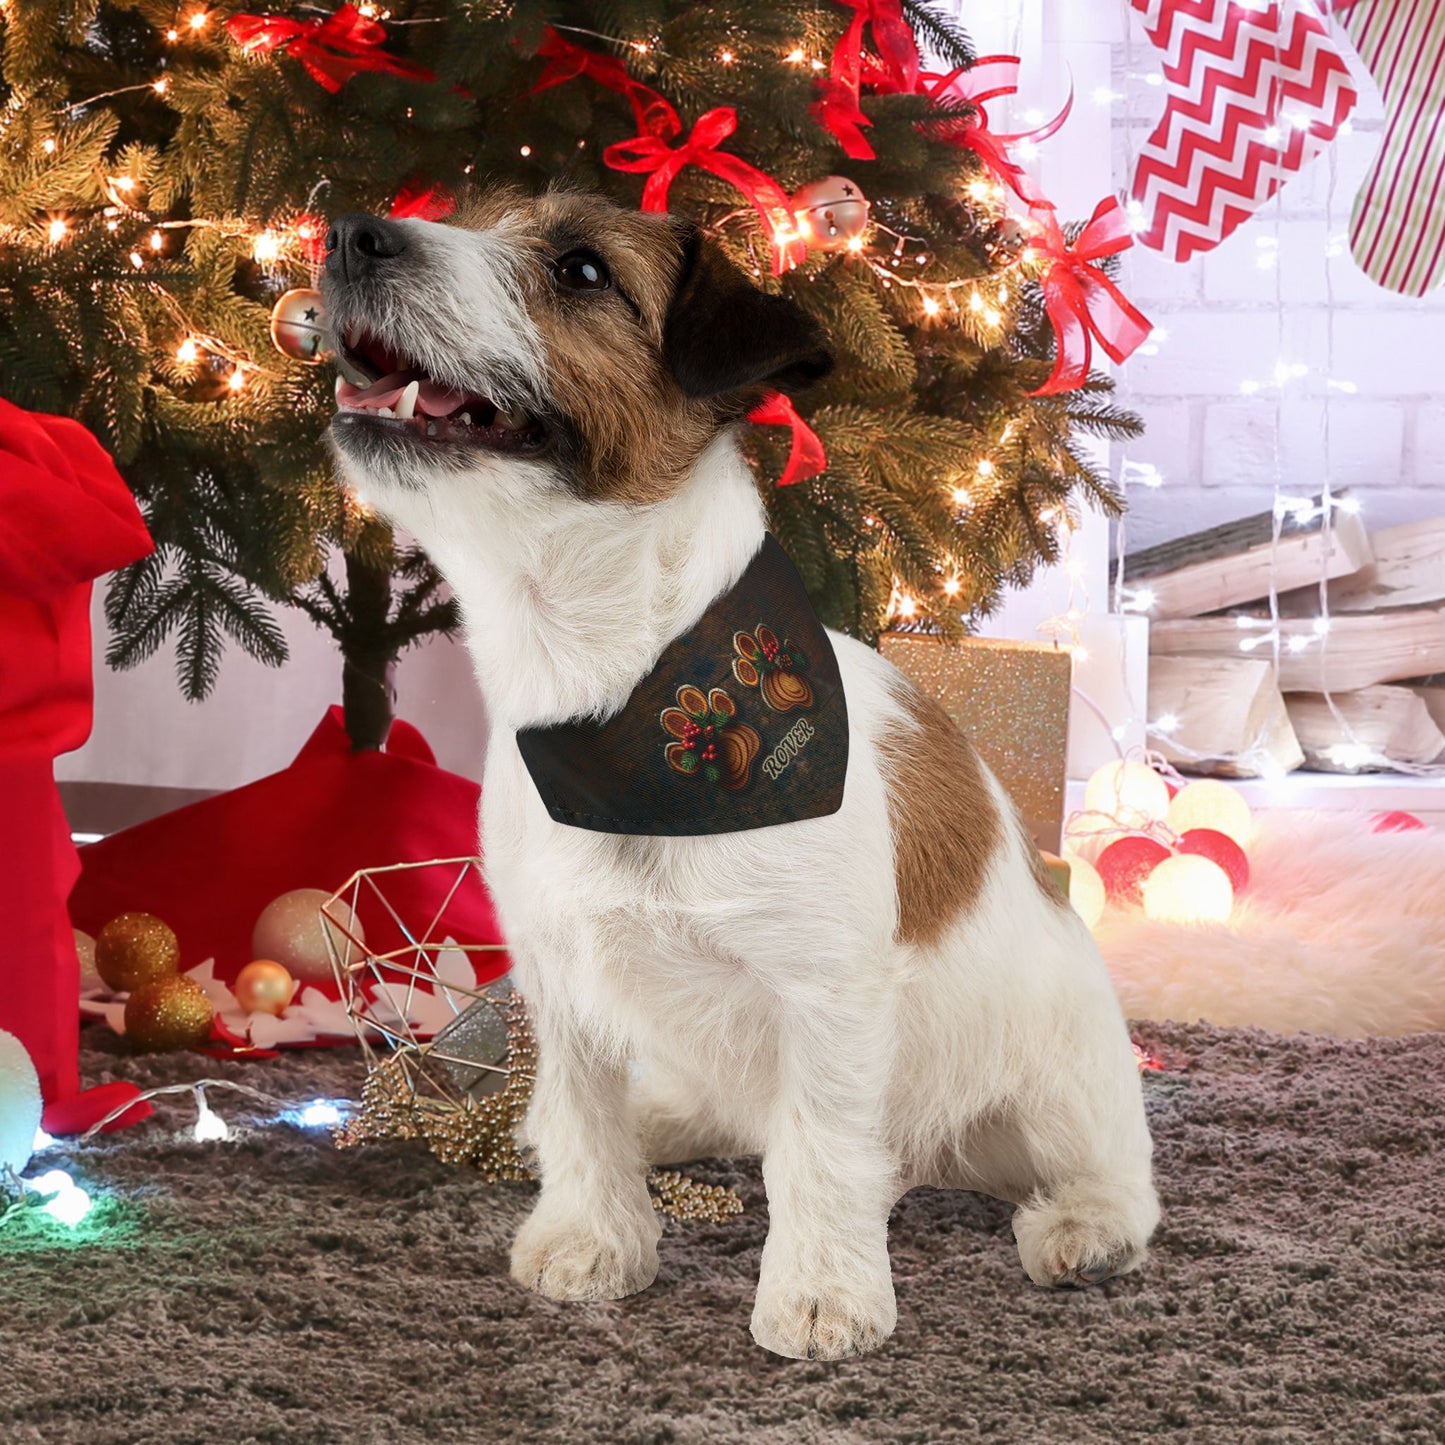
(775, 668)
(709, 739)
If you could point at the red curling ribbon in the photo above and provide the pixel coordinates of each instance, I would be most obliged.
(651, 153)
(1083, 304)
(837, 109)
(424, 203)
(807, 457)
(566, 61)
(332, 50)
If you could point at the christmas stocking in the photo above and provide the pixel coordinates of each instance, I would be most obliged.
(1397, 233)
(1256, 92)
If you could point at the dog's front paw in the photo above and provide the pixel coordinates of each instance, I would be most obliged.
(570, 1259)
(824, 1320)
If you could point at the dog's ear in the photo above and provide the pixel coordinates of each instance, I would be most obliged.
(722, 334)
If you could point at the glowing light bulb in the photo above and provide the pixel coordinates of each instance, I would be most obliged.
(952, 587)
(1166, 726)
(992, 317)
(160, 86)
(173, 35)
(526, 150)
(641, 47)
(962, 496)
(320, 1114)
(187, 351)
(855, 244)
(907, 607)
(198, 20)
(237, 380)
(209, 1125)
(930, 306)
(58, 231)
(137, 260)
(727, 57)
(816, 64)
(48, 145)
(124, 183)
(266, 247)
(795, 56)
(986, 468)
(41, 1141)
(975, 302)
(157, 241)
(1080, 653)
(1209, 803)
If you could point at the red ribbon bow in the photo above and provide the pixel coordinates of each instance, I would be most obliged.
(332, 50)
(807, 457)
(566, 61)
(1083, 304)
(651, 153)
(837, 108)
(987, 79)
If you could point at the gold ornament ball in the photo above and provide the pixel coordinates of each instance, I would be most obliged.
(167, 1014)
(133, 949)
(830, 212)
(298, 326)
(264, 987)
(292, 931)
(90, 980)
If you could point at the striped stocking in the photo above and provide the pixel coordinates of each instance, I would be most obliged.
(1397, 233)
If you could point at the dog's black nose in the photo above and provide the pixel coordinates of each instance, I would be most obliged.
(358, 243)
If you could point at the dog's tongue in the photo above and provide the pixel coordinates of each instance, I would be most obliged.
(431, 400)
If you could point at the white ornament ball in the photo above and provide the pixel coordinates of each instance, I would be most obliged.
(20, 1104)
(1131, 793)
(1188, 888)
(90, 980)
(1212, 804)
(290, 931)
(1086, 891)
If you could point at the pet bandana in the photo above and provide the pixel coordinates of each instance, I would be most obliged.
(742, 724)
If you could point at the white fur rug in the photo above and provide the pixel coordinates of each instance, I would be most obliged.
(1341, 931)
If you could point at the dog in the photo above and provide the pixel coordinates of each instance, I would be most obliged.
(545, 392)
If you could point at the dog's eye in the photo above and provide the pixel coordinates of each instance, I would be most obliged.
(581, 271)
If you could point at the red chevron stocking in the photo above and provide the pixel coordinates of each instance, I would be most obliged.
(1256, 92)
(1397, 233)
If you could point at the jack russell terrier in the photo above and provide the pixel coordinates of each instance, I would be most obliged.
(761, 894)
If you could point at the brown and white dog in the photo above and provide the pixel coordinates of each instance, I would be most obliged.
(893, 995)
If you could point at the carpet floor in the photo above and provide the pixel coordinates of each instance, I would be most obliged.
(273, 1288)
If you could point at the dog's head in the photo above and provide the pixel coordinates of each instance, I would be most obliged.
(550, 342)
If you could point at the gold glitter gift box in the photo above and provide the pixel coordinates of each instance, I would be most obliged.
(1012, 699)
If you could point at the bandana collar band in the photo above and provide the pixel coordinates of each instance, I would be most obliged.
(742, 724)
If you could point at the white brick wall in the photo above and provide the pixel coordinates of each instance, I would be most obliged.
(1283, 287)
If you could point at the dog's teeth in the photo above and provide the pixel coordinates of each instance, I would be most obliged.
(465, 418)
(406, 406)
(340, 382)
(385, 411)
(431, 428)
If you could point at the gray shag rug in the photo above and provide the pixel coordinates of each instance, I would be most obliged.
(273, 1288)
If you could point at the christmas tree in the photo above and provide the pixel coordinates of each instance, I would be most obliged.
(165, 172)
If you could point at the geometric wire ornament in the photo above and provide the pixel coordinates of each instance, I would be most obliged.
(450, 1060)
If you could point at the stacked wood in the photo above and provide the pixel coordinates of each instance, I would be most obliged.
(1220, 716)
(1366, 730)
(1408, 569)
(1362, 649)
(1214, 645)
(1229, 565)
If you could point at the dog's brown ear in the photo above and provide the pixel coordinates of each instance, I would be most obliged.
(722, 334)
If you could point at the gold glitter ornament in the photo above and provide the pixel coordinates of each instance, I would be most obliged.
(1012, 700)
(136, 948)
(292, 931)
(264, 987)
(167, 1014)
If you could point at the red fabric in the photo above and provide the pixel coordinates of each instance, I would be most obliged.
(426, 203)
(567, 60)
(68, 518)
(837, 109)
(210, 868)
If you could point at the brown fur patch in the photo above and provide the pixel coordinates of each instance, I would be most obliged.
(635, 435)
(946, 826)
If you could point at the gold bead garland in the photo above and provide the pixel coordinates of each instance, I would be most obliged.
(397, 1103)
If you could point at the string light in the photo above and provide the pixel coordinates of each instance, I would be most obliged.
(266, 247)
(58, 230)
(137, 260)
(727, 57)
(962, 496)
(187, 351)
(237, 379)
(69, 1203)
(198, 20)
(48, 145)
(157, 241)
(795, 57)
(526, 150)
(209, 1125)
(173, 35)
(931, 306)
(985, 467)
(160, 86)
(952, 587)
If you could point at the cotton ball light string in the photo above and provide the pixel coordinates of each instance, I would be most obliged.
(1086, 891)
(1188, 888)
(1211, 804)
(1133, 794)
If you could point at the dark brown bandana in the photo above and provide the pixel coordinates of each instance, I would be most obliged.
(742, 724)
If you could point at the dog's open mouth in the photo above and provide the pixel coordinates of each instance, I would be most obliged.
(397, 393)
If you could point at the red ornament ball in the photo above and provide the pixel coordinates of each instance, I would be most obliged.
(1396, 822)
(1218, 848)
(1126, 863)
